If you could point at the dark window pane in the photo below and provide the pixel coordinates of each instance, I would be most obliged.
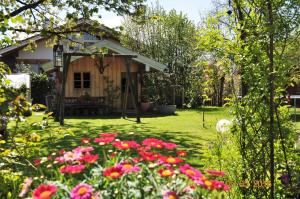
(77, 80)
(77, 84)
(86, 76)
(86, 80)
(86, 84)
(77, 76)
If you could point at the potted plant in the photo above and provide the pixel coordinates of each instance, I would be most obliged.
(145, 104)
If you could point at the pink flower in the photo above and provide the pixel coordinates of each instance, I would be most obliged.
(124, 145)
(170, 195)
(105, 135)
(72, 156)
(129, 168)
(25, 187)
(153, 142)
(83, 149)
(169, 145)
(82, 191)
(215, 172)
(190, 172)
(104, 140)
(44, 191)
(72, 169)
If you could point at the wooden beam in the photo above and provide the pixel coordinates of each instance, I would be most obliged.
(105, 55)
(66, 63)
(132, 91)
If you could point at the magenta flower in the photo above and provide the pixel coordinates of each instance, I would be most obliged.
(190, 172)
(129, 168)
(82, 191)
(170, 195)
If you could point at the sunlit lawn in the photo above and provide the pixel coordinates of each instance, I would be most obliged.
(185, 129)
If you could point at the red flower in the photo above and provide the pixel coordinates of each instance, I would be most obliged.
(72, 169)
(149, 156)
(124, 145)
(85, 140)
(61, 152)
(169, 145)
(89, 158)
(104, 140)
(153, 142)
(113, 172)
(215, 173)
(105, 135)
(170, 160)
(44, 191)
(166, 172)
(181, 153)
(37, 162)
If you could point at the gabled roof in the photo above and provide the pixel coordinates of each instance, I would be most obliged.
(118, 48)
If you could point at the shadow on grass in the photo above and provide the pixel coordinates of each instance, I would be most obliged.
(87, 129)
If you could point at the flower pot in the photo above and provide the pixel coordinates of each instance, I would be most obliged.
(145, 106)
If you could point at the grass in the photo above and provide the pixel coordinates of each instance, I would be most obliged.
(185, 129)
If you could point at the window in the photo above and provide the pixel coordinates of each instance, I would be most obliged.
(77, 80)
(82, 80)
(86, 80)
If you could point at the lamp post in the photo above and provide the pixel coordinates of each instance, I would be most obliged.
(57, 63)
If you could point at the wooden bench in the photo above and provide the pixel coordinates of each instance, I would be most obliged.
(85, 106)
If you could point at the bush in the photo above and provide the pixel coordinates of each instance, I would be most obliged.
(38, 107)
(41, 86)
(125, 169)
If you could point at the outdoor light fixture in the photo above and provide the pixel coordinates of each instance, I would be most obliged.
(58, 55)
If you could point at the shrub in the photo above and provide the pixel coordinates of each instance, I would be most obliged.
(40, 87)
(125, 169)
(38, 107)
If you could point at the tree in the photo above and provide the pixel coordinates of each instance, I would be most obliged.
(169, 38)
(45, 17)
(261, 32)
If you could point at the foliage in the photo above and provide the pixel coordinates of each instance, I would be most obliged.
(43, 17)
(38, 107)
(111, 92)
(253, 41)
(41, 86)
(125, 169)
(167, 37)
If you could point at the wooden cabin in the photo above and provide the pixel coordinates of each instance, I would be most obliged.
(89, 83)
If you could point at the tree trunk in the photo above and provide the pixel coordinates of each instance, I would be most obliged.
(221, 91)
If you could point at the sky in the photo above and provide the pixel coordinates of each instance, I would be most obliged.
(193, 8)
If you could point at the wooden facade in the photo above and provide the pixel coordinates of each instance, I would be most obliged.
(115, 71)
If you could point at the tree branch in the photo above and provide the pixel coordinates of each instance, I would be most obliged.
(21, 9)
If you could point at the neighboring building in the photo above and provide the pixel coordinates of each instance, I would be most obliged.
(84, 77)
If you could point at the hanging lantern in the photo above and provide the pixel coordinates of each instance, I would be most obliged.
(58, 55)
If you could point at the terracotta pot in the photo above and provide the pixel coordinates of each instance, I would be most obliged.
(145, 106)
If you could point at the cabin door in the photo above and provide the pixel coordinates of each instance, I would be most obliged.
(123, 88)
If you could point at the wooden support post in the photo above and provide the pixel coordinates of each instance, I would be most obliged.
(132, 91)
(125, 99)
(66, 63)
(57, 97)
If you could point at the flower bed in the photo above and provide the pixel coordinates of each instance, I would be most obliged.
(106, 167)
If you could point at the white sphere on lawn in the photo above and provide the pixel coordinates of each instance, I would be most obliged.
(223, 125)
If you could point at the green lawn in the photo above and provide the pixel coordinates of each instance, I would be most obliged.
(185, 129)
